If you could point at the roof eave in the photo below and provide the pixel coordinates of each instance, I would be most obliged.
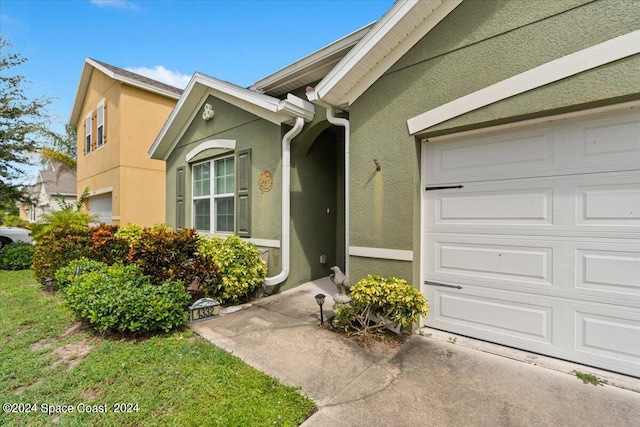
(85, 77)
(201, 86)
(310, 65)
(352, 75)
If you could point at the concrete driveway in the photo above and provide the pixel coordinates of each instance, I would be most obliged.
(426, 381)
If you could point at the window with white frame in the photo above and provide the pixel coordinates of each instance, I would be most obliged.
(88, 125)
(100, 125)
(213, 195)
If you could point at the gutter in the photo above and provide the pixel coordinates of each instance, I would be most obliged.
(285, 242)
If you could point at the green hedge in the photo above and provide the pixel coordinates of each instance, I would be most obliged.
(120, 298)
(16, 256)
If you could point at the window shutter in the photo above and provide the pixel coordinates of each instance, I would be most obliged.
(243, 192)
(180, 198)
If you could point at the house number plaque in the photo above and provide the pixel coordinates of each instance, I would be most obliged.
(265, 182)
(203, 309)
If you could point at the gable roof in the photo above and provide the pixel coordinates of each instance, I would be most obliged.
(200, 86)
(311, 68)
(118, 74)
(391, 37)
(58, 183)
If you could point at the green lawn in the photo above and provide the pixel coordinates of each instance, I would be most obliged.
(171, 379)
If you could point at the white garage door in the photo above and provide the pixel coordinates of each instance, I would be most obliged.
(540, 248)
(101, 206)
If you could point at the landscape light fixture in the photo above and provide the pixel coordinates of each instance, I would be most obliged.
(49, 282)
(320, 301)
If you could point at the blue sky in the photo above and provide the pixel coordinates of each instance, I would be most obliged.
(237, 41)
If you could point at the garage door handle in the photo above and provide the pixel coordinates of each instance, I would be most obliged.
(446, 187)
(426, 282)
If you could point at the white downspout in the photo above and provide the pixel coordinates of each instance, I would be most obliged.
(285, 240)
(338, 121)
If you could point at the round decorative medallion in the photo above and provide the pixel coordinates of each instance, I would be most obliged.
(265, 182)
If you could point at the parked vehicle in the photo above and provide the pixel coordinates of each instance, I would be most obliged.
(14, 234)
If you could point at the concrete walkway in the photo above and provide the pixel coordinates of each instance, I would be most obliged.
(426, 381)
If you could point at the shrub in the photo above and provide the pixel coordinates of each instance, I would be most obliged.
(16, 256)
(61, 221)
(106, 246)
(120, 298)
(240, 268)
(390, 299)
(66, 275)
(164, 254)
(57, 248)
(130, 232)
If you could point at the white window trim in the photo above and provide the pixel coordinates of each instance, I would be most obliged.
(88, 133)
(100, 142)
(214, 143)
(212, 198)
(558, 69)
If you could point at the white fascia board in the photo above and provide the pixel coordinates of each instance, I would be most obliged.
(310, 63)
(430, 21)
(83, 84)
(81, 93)
(430, 13)
(101, 191)
(368, 42)
(154, 151)
(132, 82)
(558, 69)
(297, 107)
(201, 86)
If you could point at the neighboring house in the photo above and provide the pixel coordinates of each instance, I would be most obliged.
(486, 151)
(118, 114)
(52, 192)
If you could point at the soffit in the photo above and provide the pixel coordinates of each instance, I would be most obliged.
(311, 68)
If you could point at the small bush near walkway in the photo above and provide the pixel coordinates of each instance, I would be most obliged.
(389, 299)
(120, 298)
(240, 267)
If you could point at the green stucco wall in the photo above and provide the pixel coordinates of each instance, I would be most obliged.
(480, 43)
(314, 185)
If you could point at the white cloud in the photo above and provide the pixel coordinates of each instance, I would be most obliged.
(163, 75)
(119, 4)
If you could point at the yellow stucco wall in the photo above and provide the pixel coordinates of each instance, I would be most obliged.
(133, 119)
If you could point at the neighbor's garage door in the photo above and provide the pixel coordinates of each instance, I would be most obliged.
(543, 239)
(101, 207)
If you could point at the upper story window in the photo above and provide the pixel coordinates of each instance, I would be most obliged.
(214, 195)
(100, 136)
(88, 125)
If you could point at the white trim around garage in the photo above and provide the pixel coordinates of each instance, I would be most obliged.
(631, 105)
(558, 69)
(381, 253)
(101, 191)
